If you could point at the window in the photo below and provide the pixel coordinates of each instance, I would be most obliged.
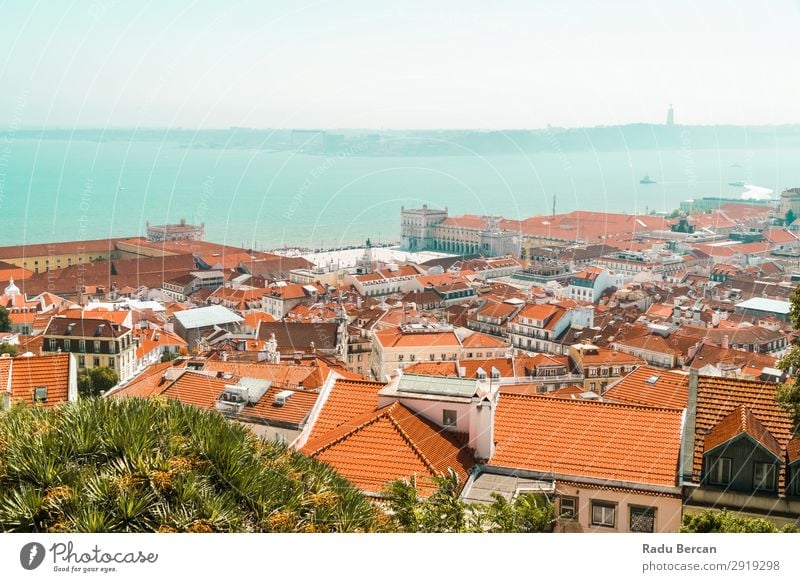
(111, 363)
(764, 476)
(81, 361)
(66, 345)
(81, 346)
(53, 345)
(40, 394)
(449, 418)
(720, 471)
(643, 519)
(604, 514)
(112, 347)
(97, 346)
(400, 358)
(96, 362)
(568, 507)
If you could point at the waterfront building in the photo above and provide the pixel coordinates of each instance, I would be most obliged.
(174, 232)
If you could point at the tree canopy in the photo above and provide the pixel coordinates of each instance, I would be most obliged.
(96, 381)
(5, 320)
(445, 512)
(728, 522)
(145, 465)
(9, 349)
(788, 394)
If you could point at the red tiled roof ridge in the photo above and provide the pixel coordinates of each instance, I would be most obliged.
(627, 405)
(357, 424)
(748, 423)
(346, 429)
(425, 461)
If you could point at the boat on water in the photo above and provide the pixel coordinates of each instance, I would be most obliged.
(737, 184)
(647, 180)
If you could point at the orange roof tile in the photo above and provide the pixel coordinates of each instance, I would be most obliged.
(391, 443)
(251, 319)
(396, 338)
(149, 383)
(28, 372)
(741, 421)
(287, 375)
(650, 386)
(601, 440)
(196, 389)
(482, 340)
(718, 397)
(347, 399)
(295, 411)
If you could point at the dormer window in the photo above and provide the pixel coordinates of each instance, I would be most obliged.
(763, 476)
(720, 471)
(40, 394)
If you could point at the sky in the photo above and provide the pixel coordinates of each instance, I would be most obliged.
(415, 65)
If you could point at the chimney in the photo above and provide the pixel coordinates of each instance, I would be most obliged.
(689, 427)
(481, 426)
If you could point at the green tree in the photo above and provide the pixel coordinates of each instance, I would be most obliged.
(444, 512)
(789, 218)
(728, 522)
(9, 349)
(788, 394)
(5, 320)
(146, 465)
(168, 356)
(96, 381)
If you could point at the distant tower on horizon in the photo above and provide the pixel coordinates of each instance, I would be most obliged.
(670, 115)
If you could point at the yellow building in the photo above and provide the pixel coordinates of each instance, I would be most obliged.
(39, 258)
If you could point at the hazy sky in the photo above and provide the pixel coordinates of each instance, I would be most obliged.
(421, 64)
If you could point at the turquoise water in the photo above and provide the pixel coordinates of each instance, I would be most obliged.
(64, 190)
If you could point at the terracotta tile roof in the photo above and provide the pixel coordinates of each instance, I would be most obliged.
(286, 375)
(741, 421)
(300, 336)
(793, 450)
(650, 386)
(396, 338)
(149, 383)
(59, 248)
(718, 397)
(496, 309)
(28, 372)
(541, 312)
(482, 340)
(347, 399)
(466, 221)
(437, 368)
(609, 358)
(710, 354)
(196, 389)
(391, 443)
(649, 342)
(602, 440)
(294, 412)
